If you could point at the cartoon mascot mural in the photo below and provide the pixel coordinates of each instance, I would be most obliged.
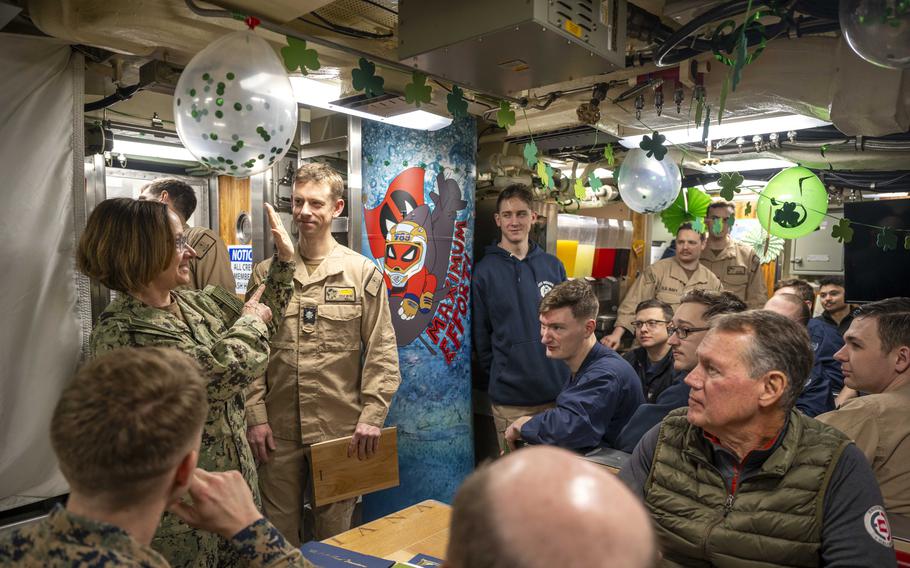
(413, 243)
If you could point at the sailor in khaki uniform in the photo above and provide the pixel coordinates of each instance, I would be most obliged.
(212, 265)
(334, 363)
(735, 264)
(666, 280)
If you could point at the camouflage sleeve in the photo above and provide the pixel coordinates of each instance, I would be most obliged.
(279, 288)
(380, 375)
(262, 546)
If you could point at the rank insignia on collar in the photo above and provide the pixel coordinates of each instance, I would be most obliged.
(309, 314)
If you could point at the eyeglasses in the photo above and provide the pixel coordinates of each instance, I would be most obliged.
(182, 243)
(683, 332)
(650, 324)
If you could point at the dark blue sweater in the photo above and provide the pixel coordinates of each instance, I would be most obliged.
(592, 408)
(506, 294)
(826, 378)
(649, 415)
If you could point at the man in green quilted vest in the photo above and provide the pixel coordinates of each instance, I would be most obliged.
(739, 478)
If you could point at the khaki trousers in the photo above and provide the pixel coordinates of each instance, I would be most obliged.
(505, 415)
(286, 483)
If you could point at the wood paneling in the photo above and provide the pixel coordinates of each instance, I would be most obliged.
(337, 476)
(233, 198)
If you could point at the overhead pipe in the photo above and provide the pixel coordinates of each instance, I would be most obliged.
(286, 31)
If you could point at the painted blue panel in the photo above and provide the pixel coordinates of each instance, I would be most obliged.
(419, 227)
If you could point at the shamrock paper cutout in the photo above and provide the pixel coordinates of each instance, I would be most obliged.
(542, 174)
(365, 79)
(843, 232)
(417, 91)
(788, 217)
(506, 116)
(458, 107)
(608, 155)
(296, 55)
(654, 146)
(579, 189)
(886, 239)
(748, 210)
(698, 226)
(729, 184)
(717, 227)
(530, 153)
(594, 181)
(550, 182)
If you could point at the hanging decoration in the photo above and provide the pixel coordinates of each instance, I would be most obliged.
(417, 91)
(579, 189)
(530, 153)
(654, 145)
(842, 231)
(594, 182)
(609, 156)
(878, 30)
(297, 56)
(505, 116)
(730, 183)
(767, 247)
(689, 205)
(646, 185)
(698, 225)
(886, 239)
(739, 51)
(364, 78)
(457, 105)
(234, 108)
(793, 203)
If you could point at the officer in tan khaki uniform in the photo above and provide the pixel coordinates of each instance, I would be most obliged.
(735, 264)
(334, 363)
(212, 265)
(666, 280)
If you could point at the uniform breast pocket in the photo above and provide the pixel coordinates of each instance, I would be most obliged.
(339, 327)
(735, 276)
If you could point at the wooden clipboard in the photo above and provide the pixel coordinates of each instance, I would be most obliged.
(337, 476)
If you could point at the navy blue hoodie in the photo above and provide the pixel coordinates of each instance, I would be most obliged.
(506, 294)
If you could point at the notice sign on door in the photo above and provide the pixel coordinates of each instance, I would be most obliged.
(241, 265)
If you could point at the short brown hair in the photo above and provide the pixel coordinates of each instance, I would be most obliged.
(804, 313)
(317, 172)
(718, 203)
(475, 540)
(655, 303)
(892, 317)
(690, 227)
(127, 418)
(715, 303)
(180, 193)
(778, 344)
(575, 294)
(126, 243)
(803, 289)
(516, 191)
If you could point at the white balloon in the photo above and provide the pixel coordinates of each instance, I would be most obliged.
(878, 30)
(648, 185)
(234, 107)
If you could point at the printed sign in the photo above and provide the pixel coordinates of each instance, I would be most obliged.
(241, 265)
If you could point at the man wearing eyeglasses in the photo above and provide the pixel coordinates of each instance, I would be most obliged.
(666, 280)
(688, 327)
(653, 360)
(735, 264)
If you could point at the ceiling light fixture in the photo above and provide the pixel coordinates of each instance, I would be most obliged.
(750, 164)
(141, 149)
(320, 94)
(733, 129)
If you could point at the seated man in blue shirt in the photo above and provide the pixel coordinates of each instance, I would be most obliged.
(603, 390)
(688, 327)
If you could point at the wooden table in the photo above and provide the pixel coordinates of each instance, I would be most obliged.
(420, 529)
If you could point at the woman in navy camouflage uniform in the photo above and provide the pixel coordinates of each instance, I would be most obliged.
(138, 249)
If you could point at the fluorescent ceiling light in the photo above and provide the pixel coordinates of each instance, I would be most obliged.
(748, 165)
(733, 129)
(602, 173)
(320, 94)
(151, 150)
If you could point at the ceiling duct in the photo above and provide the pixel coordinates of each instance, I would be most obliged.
(512, 45)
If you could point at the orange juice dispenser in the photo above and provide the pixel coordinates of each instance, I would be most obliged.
(567, 233)
(587, 238)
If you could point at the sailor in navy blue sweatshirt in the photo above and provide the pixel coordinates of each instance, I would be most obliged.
(601, 394)
(508, 285)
